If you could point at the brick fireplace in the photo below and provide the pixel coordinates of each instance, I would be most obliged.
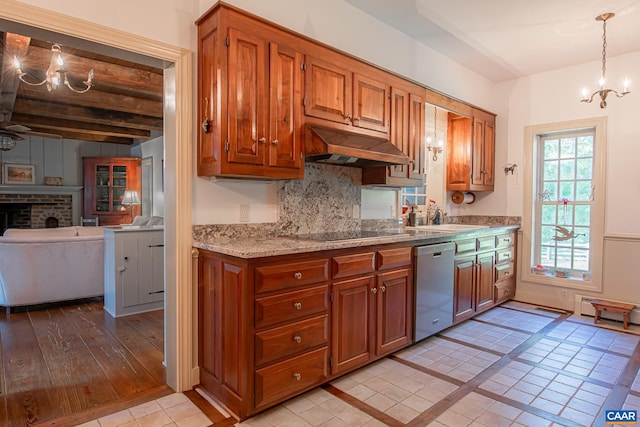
(39, 206)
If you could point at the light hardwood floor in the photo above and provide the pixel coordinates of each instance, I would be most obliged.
(69, 359)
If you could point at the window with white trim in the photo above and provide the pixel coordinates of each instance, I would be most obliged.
(563, 217)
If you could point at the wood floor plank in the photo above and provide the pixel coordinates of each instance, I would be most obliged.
(127, 375)
(149, 326)
(70, 364)
(30, 397)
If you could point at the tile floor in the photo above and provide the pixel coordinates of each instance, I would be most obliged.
(515, 365)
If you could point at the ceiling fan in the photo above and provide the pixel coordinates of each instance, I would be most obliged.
(12, 132)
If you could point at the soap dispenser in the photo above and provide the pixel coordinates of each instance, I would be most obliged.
(411, 221)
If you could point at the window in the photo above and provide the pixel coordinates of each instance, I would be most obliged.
(413, 196)
(563, 218)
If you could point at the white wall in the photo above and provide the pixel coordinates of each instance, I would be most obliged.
(60, 158)
(554, 97)
(333, 22)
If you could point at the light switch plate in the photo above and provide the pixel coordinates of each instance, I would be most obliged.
(244, 213)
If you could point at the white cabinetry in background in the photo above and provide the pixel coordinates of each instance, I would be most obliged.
(133, 270)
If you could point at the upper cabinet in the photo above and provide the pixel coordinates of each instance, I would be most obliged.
(340, 91)
(249, 97)
(407, 126)
(470, 152)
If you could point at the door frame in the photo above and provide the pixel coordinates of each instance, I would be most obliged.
(178, 148)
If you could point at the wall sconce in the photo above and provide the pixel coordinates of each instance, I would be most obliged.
(435, 149)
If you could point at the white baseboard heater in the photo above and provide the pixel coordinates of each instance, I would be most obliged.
(582, 306)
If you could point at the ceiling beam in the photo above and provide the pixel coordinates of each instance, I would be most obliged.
(82, 136)
(87, 114)
(57, 125)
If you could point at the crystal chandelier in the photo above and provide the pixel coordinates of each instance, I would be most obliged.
(602, 92)
(56, 74)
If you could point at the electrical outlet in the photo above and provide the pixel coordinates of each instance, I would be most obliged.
(392, 211)
(356, 211)
(564, 295)
(244, 213)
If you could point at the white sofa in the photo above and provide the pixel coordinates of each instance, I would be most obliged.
(49, 265)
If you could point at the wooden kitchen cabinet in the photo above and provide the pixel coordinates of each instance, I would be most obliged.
(471, 152)
(407, 133)
(249, 99)
(372, 313)
(341, 91)
(105, 180)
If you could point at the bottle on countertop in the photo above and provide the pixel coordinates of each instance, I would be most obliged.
(412, 217)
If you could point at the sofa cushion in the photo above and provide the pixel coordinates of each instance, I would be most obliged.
(90, 231)
(41, 232)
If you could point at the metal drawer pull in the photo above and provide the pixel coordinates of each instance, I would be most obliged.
(298, 275)
(297, 339)
(297, 376)
(383, 288)
(297, 305)
(374, 290)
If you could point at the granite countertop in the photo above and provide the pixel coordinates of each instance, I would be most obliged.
(271, 246)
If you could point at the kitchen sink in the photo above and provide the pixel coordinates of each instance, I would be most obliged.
(448, 227)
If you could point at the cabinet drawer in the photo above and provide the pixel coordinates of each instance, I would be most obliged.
(394, 258)
(289, 306)
(284, 379)
(504, 255)
(279, 277)
(352, 265)
(292, 339)
(504, 291)
(504, 271)
(486, 242)
(504, 240)
(464, 246)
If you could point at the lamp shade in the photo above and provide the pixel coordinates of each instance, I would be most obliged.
(131, 198)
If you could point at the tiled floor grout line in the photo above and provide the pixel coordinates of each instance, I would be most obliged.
(471, 345)
(622, 386)
(362, 406)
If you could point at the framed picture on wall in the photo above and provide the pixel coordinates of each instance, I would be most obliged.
(16, 173)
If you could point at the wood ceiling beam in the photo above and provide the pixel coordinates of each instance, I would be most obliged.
(81, 136)
(56, 125)
(93, 98)
(87, 114)
(10, 45)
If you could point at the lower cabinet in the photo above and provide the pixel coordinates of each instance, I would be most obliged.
(133, 270)
(270, 329)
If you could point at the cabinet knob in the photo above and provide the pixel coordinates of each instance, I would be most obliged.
(206, 125)
(262, 140)
(297, 376)
(383, 288)
(348, 117)
(374, 290)
(298, 275)
(297, 305)
(274, 142)
(356, 119)
(297, 339)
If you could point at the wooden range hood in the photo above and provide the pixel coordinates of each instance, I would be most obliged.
(350, 149)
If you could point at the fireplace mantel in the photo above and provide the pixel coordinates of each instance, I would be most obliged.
(74, 191)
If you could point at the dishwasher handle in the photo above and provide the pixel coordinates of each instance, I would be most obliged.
(436, 250)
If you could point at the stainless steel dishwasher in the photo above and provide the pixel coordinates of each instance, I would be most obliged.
(434, 289)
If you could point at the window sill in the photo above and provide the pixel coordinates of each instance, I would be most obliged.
(562, 282)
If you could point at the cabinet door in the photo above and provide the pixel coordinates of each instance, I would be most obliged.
(399, 129)
(352, 316)
(208, 89)
(485, 281)
(489, 153)
(416, 137)
(463, 288)
(458, 152)
(394, 311)
(285, 122)
(247, 103)
(327, 90)
(371, 104)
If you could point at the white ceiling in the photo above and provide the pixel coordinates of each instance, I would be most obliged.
(505, 39)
